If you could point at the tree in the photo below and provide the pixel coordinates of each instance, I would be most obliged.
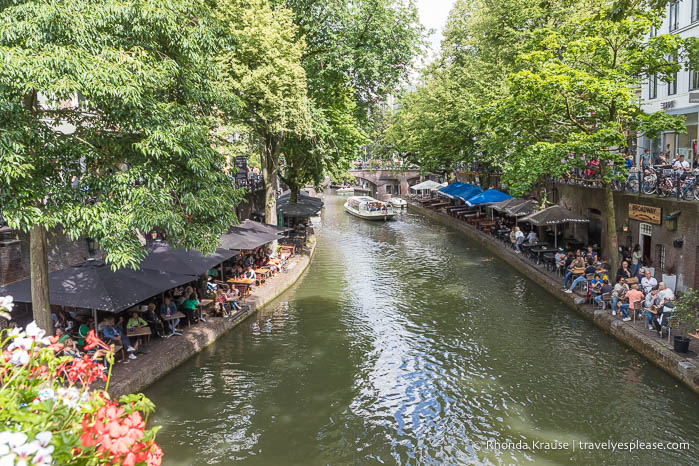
(106, 128)
(574, 98)
(261, 60)
(357, 53)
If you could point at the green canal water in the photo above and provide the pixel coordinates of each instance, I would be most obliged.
(404, 343)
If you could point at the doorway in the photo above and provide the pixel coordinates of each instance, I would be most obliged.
(645, 235)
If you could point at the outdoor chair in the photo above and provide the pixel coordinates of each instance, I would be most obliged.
(672, 323)
(606, 298)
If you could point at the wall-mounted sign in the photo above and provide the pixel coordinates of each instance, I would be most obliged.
(646, 213)
(694, 97)
(667, 105)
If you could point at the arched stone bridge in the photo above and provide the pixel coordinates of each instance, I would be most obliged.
(386, 182)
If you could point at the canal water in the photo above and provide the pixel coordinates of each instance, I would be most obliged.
(405, 343)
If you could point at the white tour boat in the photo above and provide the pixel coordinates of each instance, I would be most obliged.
(369, 208)
(349, 190)
(398, 203)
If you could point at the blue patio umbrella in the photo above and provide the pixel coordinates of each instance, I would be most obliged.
(467, 192)
(449, 189)
(488, 197)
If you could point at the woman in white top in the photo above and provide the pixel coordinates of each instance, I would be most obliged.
(636, 260)
(519, 239)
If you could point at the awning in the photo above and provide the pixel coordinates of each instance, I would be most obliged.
(189, 262)
(488, 197)
(507, 203)
(440, 186)
(93, 285)
(554, 215)
(246, 238)
(305, 206)
(264, 227)
(449, 189)
(425, 185)
(522, 209)
(467, 192)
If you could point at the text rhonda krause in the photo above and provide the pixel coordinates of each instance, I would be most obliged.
(607, 445)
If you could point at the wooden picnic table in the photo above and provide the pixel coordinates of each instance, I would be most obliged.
(241, 281)
(290, 247)
(263, 272)
(439, 205)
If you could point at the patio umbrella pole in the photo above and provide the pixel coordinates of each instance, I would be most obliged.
(555, 236)
(94, 317)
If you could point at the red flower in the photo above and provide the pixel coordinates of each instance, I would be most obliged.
(91, 341)
(55, 345)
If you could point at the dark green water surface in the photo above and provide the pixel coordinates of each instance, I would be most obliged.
(404, 343)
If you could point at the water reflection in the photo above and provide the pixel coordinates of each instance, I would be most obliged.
(405, 343)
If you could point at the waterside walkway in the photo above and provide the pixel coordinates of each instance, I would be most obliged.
(166, 354)
(684, 367)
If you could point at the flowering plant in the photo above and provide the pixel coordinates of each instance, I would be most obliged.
(51, 415)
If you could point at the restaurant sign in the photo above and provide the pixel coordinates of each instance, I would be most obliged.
(645, 213)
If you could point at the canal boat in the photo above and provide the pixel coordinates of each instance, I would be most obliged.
(398, 202)
(348, 190)
(369, 208)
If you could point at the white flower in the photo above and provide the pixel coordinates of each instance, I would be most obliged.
(25, 451)
(22, 343)
(34, 331)
(6, 302)
(46, 394)
(4, 449)
(43, 456)
(19, 358)
(15, 439)
(7, 460)
(44, 438)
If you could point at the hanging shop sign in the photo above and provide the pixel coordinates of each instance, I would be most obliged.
(646, 213)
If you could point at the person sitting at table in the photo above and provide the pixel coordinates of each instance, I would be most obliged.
(151, 318)
(577, 263)
(624, 271)
(589, 252)
(661, 298)
(113, 332)
(590, 269)
(633, 295)
(595, 286)
(619, 293)
(189, 308)
(135, 321)
(648, 282)
(211, 286)
(519, 239)
(232, 294)
(513, 237)
(167, 309)
(604, 289)
(250, 273)
(531, 237)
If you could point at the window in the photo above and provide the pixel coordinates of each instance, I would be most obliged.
(695, 10)
(660, 256)
(674, 16)
(693, 80)
(388, 188)
(672, 85)
(653, 87)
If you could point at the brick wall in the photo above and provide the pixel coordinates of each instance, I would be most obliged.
(588, 201)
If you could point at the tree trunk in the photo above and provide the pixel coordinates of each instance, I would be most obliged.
(612, 243)
(270, 166)
(294, 194)
(39, 265)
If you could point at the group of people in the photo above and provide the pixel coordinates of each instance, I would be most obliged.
(633, 288)
(164, 315)
(517, 238)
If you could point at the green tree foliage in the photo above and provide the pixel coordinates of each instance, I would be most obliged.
(540, 88)
(261, 60)
(106, 123)
(357, 53)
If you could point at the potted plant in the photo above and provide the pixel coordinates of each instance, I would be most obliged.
(687, 312)
(670, 278)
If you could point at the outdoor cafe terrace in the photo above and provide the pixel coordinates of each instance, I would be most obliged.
(174, 291)
(630, 294)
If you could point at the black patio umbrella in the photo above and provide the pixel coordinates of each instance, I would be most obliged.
(190, 262)
(93, 285)
(554, 215)
(246, 238)
(264, 227)
(286, 196)
(521, 210)
(305, 205)
(502, 205)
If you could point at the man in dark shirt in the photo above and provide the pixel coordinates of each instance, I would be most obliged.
(606, 289)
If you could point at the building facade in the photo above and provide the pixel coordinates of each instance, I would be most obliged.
(678, 97)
